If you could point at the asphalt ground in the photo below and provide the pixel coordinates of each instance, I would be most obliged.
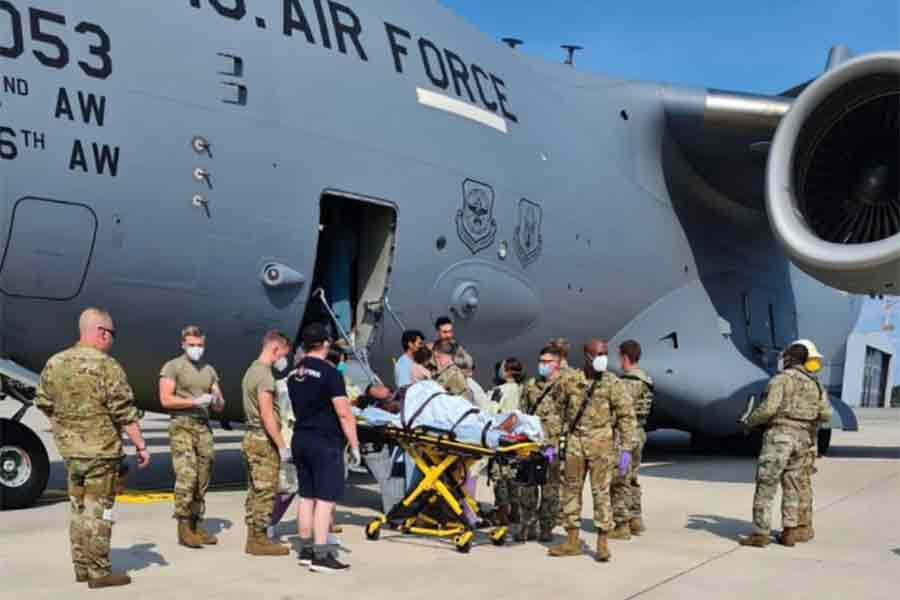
(696, 509)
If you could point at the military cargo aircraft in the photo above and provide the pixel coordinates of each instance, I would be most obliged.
(205, 162)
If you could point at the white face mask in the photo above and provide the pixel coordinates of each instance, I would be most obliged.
(281, 364)
(600, 363)
(195, 353)
(780, 364)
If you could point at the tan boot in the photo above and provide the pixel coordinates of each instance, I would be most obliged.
(621, 532)
(571, 547)
(603, 553)
(756, 540)
(186, 535)
(204, 536)
(259, 545)
(637, 526)
(788, 537)
(111, 580)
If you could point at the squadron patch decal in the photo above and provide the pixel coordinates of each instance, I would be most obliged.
(475, 222)
(528, 238)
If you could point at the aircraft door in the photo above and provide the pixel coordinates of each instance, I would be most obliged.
(48, 250)
(354, 255)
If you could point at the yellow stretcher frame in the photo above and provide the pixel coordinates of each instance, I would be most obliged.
(444, 462)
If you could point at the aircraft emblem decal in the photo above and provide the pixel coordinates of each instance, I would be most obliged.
(475, 222)
(528, 238)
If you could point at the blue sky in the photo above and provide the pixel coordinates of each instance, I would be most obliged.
(763, 46)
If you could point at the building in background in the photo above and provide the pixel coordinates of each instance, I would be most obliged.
(868, 370)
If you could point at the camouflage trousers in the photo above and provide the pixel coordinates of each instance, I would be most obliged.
(805, 507)
(588, 457)
(506, 492)
(92, 493)
(783, 459)
(539, 505)
(192, 460)
(263, 464)
(625, 490)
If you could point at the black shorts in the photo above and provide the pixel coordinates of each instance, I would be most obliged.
(320, 467)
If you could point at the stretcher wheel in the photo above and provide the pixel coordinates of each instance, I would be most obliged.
(373, 530)
(464, 542)
(498, 538)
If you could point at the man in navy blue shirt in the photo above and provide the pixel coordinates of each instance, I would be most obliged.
(325, 424)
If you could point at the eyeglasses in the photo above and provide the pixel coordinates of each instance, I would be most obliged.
(110, 332)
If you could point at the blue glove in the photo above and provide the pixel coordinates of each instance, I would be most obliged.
(551, 454)
(624, 462)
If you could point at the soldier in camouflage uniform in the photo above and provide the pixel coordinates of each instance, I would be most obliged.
(625, 489)
(544, 397)
(263, 446)
(188, 388)
(85, 394)
(448, 374)
(598, 410)
(793, 405)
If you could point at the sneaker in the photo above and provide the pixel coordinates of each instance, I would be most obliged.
(327, 564)
(306, 556)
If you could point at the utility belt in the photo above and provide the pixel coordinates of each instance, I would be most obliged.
(805, 425)
(190, 419)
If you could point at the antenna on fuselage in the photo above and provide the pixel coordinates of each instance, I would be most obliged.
(570, 53)
(512, 42)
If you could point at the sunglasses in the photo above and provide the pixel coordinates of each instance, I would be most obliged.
(108, 331)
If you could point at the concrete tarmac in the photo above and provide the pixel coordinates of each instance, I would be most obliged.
(696, 508)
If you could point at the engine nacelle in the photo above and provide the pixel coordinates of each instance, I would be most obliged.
(832, 178)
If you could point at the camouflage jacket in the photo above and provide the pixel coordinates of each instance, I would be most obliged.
(453, 380)
(639, 386)
(609, 413)
(86, 396)
(548, 404)
(793, 397)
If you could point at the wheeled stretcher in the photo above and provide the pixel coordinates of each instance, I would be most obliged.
(434, 507)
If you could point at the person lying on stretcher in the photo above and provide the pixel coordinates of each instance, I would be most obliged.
(428, 405)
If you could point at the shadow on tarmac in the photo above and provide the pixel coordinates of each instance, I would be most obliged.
(724, 527)
(896, 551)
(883, 452)
(137, 557)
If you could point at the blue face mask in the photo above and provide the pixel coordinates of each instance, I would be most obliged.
(544, 370)
(341, 368)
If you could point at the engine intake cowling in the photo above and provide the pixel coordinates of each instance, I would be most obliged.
(832, 178)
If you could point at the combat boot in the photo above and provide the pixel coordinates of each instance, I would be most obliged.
(804, 533)
(603, 554)
(259, 545)
(637, 526)
(204, 536)
(501, 515)
(81, 576)
(526, 533)
(571, 547)
(621, 532)
(788, 537)
(186, 535)
(546, 534)
(111, 580)
(756, 540)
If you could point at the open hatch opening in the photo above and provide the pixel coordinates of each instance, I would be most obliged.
(353, 263)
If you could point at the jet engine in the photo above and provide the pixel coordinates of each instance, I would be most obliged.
(832, 177)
